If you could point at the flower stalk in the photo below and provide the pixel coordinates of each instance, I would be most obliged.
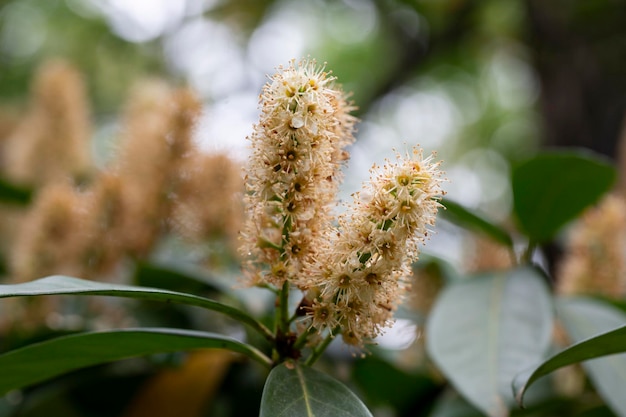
(319, 350)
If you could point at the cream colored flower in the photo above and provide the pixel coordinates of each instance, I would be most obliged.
(153, 152)
(362, 269)
(594, 259)
(294, 171)
(198, 214)
(52, 141)
(50, 238)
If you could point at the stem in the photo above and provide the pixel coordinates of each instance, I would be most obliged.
(282, 313)
(317, 352)
(304, 336)
(292, 318)
(260, 357)
(259, 327)
(268, 287)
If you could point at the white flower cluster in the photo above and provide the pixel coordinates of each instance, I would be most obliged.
(355, 274)
(292, 179)
(362, 269)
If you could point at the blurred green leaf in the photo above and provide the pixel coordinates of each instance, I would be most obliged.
(38, 362)
(58, 284)
(57, 406)
(584, 318)
(551, 189)
(450, 403)
(7, 407)
(79, 394)
(10, 193)
(597, 412)
(464, 217)
(483, 331)
(584, 315)
(295, 390)
(171, 278)
(587, 317)
(383, 383)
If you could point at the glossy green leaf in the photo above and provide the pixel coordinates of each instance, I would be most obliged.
(62, 285)
(551, 189)
(598, 330)
(295, 390)
(466, 218)
(485, 330)
(40, 361)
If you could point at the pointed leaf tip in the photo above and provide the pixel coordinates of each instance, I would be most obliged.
(604, 344)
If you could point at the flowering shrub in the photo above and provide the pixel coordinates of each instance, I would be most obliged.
(330, 276)
(352, 271)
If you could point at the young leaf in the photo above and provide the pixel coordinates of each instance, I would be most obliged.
(553, 188)
(57, 285)
(483, 331)
(295, 390)
(464, 217)
(40, 361)
(596, 328)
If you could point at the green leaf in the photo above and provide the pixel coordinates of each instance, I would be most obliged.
(450, 403)
(551, 189)
(295, 390)
(40, 361)
(384, 384)
(58, 284)
(172, 277)
(598, 330)
(11, 193)
(485, 330)
(464, 217)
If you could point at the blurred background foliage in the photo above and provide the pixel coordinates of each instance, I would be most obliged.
(485, 83)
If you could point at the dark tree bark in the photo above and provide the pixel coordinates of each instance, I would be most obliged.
(579, 53)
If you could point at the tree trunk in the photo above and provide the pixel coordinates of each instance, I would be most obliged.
(579, 53)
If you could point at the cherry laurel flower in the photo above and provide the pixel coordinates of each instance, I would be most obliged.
(293, 174)
(361, 272)
(594, 258)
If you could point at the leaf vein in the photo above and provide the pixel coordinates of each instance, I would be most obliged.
(305, 393)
